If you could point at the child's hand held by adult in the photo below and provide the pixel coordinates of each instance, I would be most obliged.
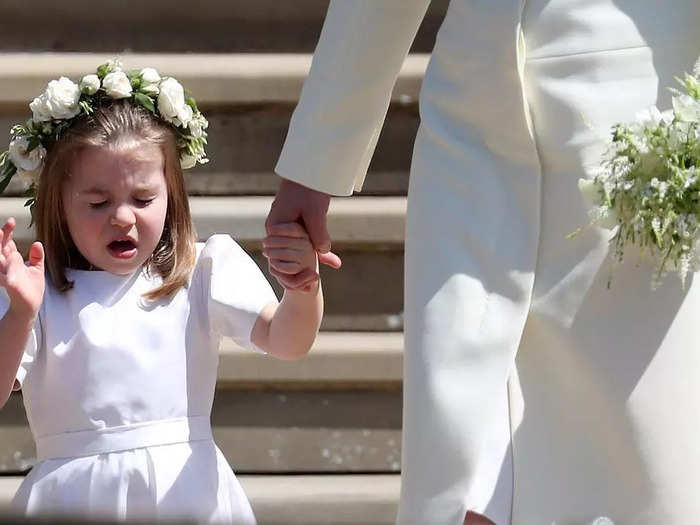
(291, 257)
(24, 283)
(297, 203)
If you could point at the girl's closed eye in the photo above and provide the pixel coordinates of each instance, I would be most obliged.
(97, 205)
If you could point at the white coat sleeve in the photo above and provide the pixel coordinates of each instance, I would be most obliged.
(335, 126)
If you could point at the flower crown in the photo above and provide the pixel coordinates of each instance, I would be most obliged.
(64, 102)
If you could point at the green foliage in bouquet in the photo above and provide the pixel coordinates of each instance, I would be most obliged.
(649, 186)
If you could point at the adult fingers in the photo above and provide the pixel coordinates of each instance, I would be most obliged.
(287, 229)
(285, 206)
(281, 254)
(285, 242)
(315, 224)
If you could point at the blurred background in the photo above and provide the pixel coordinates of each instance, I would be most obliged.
(315, 441)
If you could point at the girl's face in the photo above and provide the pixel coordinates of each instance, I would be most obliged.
(115, 201)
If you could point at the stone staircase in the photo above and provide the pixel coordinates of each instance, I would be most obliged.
(314, 441)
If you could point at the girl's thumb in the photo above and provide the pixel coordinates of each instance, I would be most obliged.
(36, 255)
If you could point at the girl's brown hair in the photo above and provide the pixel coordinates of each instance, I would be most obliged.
(174, 256)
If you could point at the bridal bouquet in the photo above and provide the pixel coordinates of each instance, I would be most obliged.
(649, 185)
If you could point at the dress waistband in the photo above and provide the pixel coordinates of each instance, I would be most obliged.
(125, 437)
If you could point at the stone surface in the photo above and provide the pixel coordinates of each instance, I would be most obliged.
(360, 221)
(214, 79)
(272, 431)
(245, 143)
(164, 26)
(357, 360)
(367, 499)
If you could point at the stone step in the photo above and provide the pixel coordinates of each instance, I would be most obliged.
(367, 232)
(273, 416)
(245, 142)
(369, 499)
(248, 99)
(214, 79)
(283, 431)
(351, 221)
(163, 26)
(337, 360)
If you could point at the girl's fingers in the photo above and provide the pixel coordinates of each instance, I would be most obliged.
(36, 255)
(287, 229)
(282, 254)
(10, 247)
(295, 282)
(286, 267)
(7, 230)
(294, 243)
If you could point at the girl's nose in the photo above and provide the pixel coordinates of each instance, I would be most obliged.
(123, 216)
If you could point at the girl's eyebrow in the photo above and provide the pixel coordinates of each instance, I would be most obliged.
(146, 187)
(101, 191)
(94, 190)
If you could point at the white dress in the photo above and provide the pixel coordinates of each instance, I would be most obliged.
(532, 392)
(118, 393)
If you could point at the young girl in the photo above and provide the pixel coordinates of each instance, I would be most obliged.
(116, 350)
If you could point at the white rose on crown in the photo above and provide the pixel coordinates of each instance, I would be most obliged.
(28, 163)
(90, 84)
(187, 161)
(171, 103)
(117, 85)
(197, 125)
(59, 101)
(149, 81)
(64, 101)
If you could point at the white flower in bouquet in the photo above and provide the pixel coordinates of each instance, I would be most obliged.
(649, 187)
(59, 101)
(90, 84)
(117, 85)
(171, 103)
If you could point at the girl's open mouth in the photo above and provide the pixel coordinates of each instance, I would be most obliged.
(122, 249)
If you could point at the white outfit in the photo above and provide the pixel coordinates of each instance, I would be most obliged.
(118, 393)
(533, 393)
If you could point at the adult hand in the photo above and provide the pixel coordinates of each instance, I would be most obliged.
(297, 203)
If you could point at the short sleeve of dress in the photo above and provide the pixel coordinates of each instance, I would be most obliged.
(235, 289)
(32, 345)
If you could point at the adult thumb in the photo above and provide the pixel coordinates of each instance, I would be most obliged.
(315, 224)
(36, 255)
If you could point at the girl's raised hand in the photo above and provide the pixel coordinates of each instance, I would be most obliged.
(24, 283)
(291, 256)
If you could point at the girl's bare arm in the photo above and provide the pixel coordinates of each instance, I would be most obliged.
(24, 285)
